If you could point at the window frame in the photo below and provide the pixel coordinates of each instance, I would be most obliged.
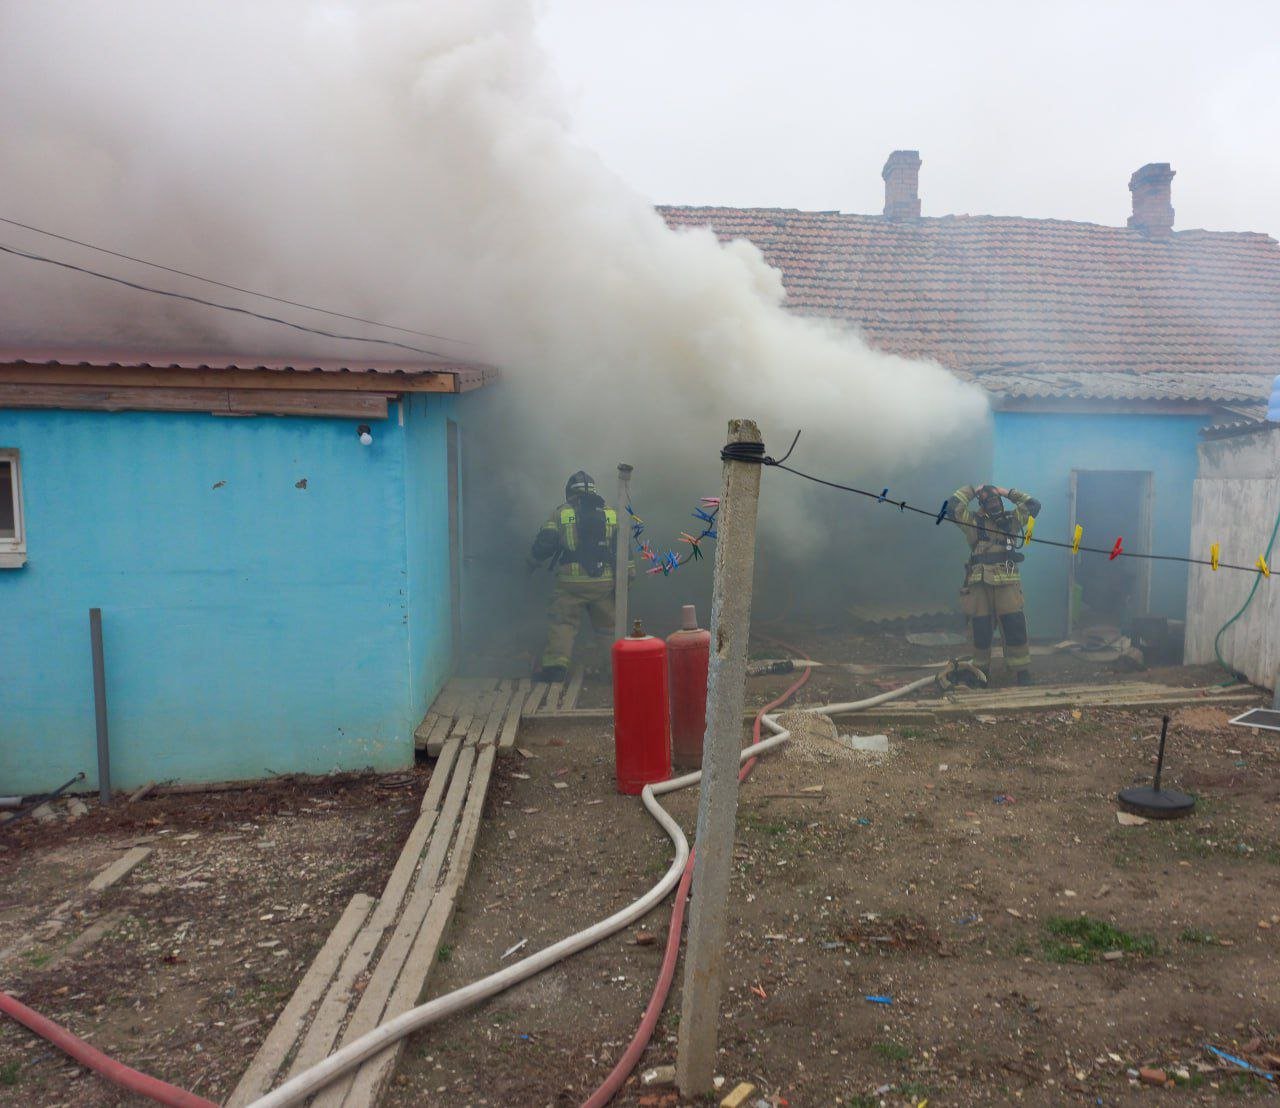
(13, 551)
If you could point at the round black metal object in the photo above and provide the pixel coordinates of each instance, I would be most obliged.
(1155, 802)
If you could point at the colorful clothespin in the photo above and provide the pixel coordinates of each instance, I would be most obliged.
(1031, 526)
(1261, 563)
(880, 499)
(1214, 551)
(632, 514)
(698, 513)
(942, 514)
(711, 502)
(1075, 539)
(1116, 550)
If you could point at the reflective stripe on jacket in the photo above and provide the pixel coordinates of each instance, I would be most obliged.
(988, 544)
(559, 536)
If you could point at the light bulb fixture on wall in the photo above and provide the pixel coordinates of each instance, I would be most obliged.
(366, 435)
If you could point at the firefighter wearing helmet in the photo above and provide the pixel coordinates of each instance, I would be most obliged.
(992, 589)
(578, 543)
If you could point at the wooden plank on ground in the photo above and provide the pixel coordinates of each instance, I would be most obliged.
(119, 869)
(553, 696)
(507, 737)
(439, 736)
(447, 702)
(1098, 700)
(571, 693)
(422, 732)
(398, 883)
(332, 1012)
(266, 1063)
(497, 713)
(371, 1078)
(368, 1013)
(536, 694)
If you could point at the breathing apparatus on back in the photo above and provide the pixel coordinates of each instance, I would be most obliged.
(594, 552)
(996, 523)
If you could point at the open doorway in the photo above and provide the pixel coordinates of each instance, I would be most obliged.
(1110, 504)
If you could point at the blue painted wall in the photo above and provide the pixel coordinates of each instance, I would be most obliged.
(430, 612)
(1037, 452)
(250, 625)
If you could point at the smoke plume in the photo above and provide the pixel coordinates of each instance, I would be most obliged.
(412, 162)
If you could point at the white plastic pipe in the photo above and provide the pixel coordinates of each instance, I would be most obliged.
(305, 1084)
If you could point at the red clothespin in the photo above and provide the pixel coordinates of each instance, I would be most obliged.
(1116, 550)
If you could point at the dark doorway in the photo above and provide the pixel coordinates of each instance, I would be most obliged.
(1110, 504)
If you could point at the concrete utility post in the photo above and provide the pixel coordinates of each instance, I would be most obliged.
(721, 746)
(620, 581)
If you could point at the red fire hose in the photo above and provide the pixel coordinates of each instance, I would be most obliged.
(666, 972)
(140, 1083)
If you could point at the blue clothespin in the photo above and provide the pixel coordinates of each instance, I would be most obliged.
(942, 514)
(698, 513)
(881, 497)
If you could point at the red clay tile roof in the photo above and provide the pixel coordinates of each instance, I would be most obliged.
(997, 293)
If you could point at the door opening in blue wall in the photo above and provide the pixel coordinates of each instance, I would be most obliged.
(1110, 503)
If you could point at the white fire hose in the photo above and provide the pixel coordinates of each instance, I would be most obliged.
(297, 1089)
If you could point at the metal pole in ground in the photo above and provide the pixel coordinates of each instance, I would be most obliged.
(620, 581)
(100, 704)
(722, 743)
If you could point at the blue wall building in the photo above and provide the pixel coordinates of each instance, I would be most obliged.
(276, 595)
(1119, 475)
(1104, 350)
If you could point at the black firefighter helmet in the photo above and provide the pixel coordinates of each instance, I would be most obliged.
(578, 485)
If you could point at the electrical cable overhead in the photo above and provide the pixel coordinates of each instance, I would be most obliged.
(214, 304)
(755, 453)
(225, 285)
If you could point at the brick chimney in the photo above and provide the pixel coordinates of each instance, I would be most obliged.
(901, 175)
(1152, 203)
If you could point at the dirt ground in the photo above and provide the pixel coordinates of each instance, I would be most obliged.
(976, 875)
(201, 945)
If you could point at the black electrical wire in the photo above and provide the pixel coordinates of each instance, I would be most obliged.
(215, 304)
(754, 452)
(224, 285)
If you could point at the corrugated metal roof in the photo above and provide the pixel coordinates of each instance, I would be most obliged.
(469, 375)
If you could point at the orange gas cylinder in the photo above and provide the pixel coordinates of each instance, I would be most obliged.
(641, 725)
(688, 653)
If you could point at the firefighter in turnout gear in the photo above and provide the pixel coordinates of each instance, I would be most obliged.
(992, 584)
(578, 543)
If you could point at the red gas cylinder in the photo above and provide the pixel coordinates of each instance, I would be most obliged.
(641, 726)
(688, 653)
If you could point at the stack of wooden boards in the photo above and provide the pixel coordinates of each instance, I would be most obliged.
(376, 961)
(485, 704)
(1129, 694)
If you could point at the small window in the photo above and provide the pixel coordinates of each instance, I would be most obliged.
(13, 539)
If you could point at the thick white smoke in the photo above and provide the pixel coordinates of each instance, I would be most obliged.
(411, 162)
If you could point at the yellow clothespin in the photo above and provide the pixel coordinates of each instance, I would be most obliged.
(1261, 563)
(1075, 539)
(1214, 551)
(1031, 526)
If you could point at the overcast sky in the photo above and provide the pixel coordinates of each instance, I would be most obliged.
(1017, 108)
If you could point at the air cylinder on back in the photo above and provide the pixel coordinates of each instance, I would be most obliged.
(641, 723)
(688, 655)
